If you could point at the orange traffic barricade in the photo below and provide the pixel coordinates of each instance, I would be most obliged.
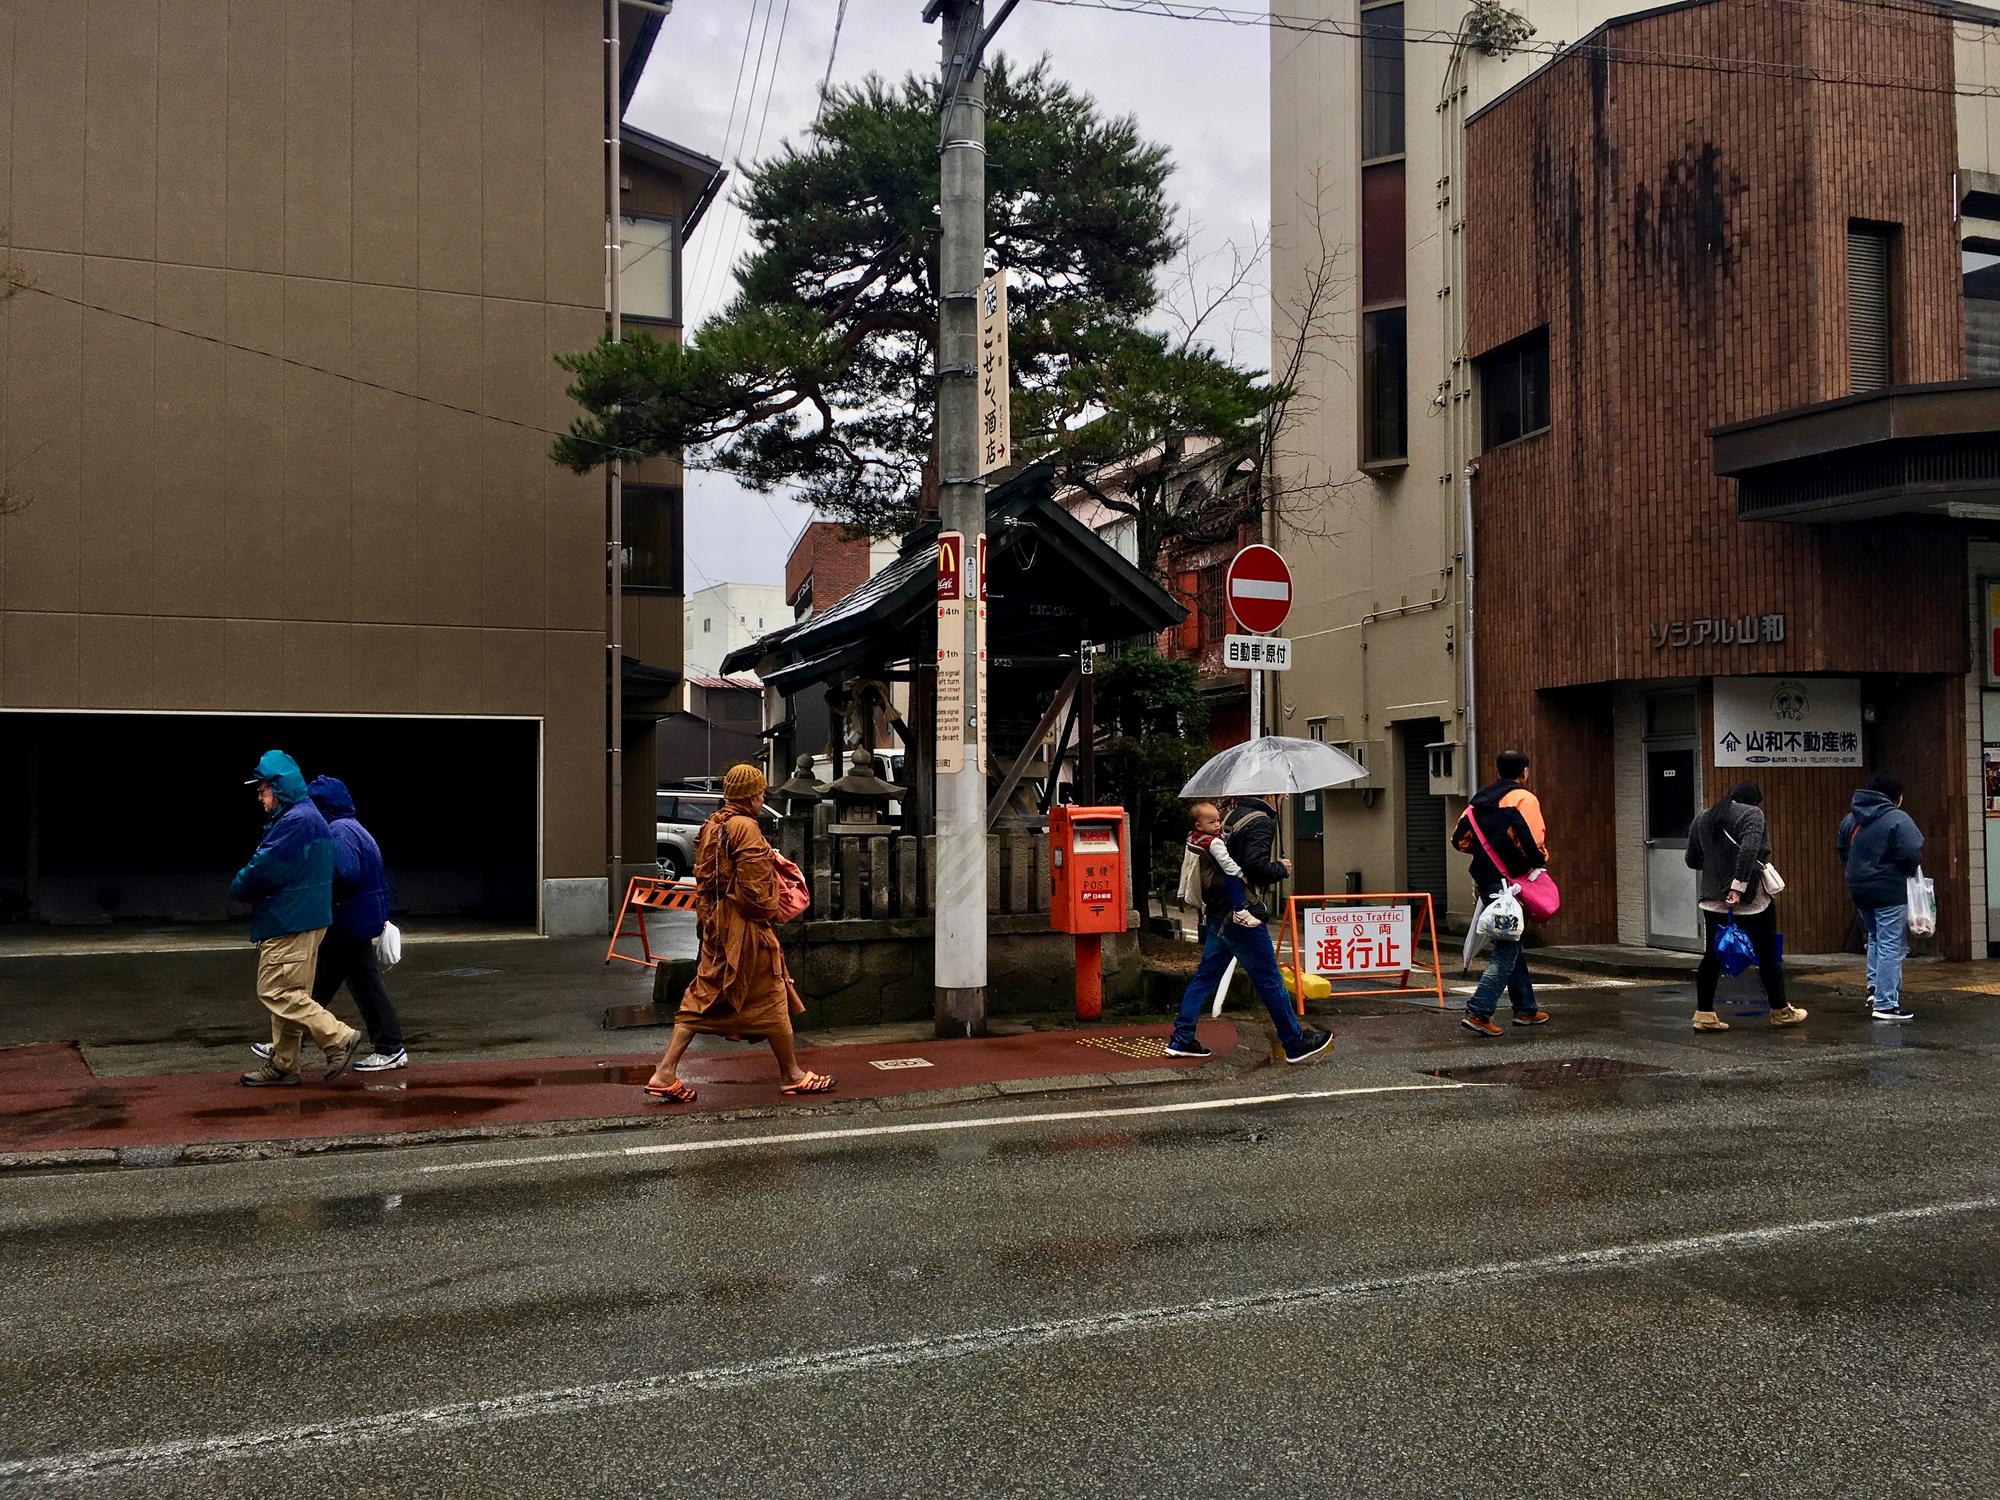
(1366, 937)
(644, 895)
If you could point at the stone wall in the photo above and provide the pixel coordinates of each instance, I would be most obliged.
(863, 973)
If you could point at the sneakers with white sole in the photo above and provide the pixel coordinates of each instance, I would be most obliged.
(1896, 1016)
(382, 1062)
(263, 1050)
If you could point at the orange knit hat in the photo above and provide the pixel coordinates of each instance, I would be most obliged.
(741, 783)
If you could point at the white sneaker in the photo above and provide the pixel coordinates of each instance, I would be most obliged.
(263, 1050)
(382, 1062)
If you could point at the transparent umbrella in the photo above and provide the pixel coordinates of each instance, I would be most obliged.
(1273, 764)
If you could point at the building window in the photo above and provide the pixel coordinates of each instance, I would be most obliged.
(1187, 635)
(1385, 416)
(1870, 309)
(1381, 81)
(1514, 388)
(1982, 309)
(1316, 729)
(651, 553)
(1211, 604)
(707, 625)
(649, 259)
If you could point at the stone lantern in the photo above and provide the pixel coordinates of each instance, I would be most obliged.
(861, 798)
(802, 791)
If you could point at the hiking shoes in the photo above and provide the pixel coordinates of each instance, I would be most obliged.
(1483, 1025)
(340, 1058)
(1311, 1044)
(1532, 1018)
(382, 1062)
(268, 1077)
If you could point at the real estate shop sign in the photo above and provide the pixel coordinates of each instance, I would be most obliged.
(1788, 721)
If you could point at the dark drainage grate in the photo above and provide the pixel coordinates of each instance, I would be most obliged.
(1549, 1073)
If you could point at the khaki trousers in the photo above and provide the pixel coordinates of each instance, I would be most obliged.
(284, 983)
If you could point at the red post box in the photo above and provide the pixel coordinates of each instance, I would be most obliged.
(1087, 854)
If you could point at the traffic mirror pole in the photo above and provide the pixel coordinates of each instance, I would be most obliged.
(959, 918)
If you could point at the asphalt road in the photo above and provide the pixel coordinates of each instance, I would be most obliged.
(1766, 1270)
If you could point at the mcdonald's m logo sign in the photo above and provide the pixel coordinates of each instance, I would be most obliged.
(951, 566)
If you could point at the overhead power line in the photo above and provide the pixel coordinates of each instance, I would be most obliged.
(1193, 10)
(728, 129)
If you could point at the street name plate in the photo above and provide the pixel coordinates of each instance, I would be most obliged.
(890, 1064)
(1251, 653)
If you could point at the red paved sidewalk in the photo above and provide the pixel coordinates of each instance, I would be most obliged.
(51, 1101)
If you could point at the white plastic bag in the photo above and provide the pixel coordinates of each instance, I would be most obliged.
(389, 946)
(1922, 904)
(1501, 918)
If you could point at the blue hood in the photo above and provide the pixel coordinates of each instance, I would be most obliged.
(1869, 805)
(331, 797)
(284, 775)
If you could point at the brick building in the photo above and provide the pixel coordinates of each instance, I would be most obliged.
(1740, 476)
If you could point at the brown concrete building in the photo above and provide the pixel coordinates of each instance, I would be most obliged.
(278, 390)
(1740, 483)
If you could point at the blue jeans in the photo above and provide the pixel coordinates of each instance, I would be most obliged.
(1251, 948)
(1888, 942)
(1506, 969)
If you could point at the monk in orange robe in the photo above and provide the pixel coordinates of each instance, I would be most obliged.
(741, 987)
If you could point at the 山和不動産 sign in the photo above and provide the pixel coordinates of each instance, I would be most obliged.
(1788, 721)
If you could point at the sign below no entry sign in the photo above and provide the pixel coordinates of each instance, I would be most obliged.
(1259, 586)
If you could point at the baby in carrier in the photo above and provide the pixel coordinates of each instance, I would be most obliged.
(1217, 864)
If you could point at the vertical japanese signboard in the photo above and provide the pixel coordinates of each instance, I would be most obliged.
(995, 432)
(982, 710)
(951, 652)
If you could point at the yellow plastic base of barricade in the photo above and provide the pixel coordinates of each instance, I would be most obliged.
(1317, 987)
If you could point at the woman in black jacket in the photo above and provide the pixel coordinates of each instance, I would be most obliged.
(1728, 845)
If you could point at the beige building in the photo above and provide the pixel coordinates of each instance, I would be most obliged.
(286, 283)
(1367, 182)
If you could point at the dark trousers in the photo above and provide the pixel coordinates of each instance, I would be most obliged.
(351, 961)
(1762, 930)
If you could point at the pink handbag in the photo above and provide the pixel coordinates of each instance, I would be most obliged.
(1536, 890)
(794, 895)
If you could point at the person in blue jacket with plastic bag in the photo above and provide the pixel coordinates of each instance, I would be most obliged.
(288, 886)
(1882, 849)
(347, 954)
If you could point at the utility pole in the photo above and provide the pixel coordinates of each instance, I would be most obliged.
(959, 921)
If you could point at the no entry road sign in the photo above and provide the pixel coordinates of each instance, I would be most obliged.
(1259, 588)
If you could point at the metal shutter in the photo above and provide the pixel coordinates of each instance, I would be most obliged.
(1423, 813)
(1868, 326)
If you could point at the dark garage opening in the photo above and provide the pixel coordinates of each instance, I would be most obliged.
(144, 818)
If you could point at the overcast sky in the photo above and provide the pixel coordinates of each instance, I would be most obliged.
(1199, 88)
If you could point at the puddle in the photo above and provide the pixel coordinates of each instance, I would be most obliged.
(1546, 1073)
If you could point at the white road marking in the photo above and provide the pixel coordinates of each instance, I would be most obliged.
(921, 1127)
(424, 1422)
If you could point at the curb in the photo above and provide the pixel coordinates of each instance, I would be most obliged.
(1250, 1053)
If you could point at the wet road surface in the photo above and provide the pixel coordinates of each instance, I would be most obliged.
(1767, 1269)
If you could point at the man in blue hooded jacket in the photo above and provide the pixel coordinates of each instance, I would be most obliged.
(1882, 847)
(360, 912)
(288, 886)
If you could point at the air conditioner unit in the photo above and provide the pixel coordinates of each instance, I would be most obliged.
(1447, 769)
(1371, 754)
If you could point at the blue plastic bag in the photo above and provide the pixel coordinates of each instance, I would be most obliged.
(1733, 950)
